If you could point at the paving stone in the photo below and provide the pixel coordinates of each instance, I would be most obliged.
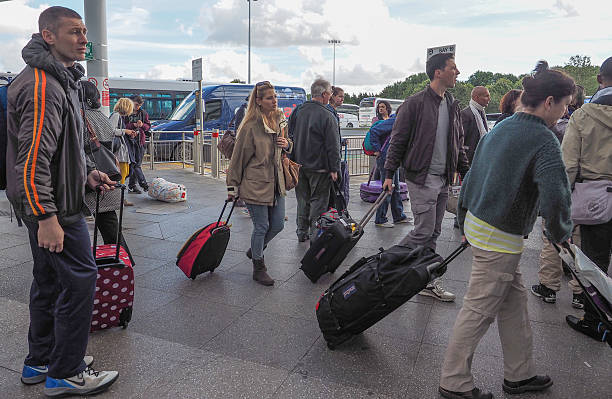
(147, 301)
(15, 282)
(303, 386)
(163, 249)
(145, 265)
(11, 386)
(407, 322)
(188, 321)
(8, 240)
(287, 302)
(269, 339)
(21, 252)
(368, 362)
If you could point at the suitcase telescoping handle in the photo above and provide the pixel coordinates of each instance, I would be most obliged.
(233, 201)
(437, 266)
(366, 218)
(95, 233)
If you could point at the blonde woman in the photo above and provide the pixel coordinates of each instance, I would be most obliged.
(256, 173)
(124, 107)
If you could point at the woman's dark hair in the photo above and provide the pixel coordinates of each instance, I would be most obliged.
(508, 101)
(578, 99)
(336, 90)
(545, 82)
(387, 105)
(137, 99)
(91, 94)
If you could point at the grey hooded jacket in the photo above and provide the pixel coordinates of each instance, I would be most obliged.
(46, 167)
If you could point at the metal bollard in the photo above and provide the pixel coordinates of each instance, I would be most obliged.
(151, 151)
(214, 153)
(196, 152)
(184, 145)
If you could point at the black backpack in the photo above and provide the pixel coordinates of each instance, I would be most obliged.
(3, 135)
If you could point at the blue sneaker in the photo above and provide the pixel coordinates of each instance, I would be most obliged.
(36, 374)
(87, 382)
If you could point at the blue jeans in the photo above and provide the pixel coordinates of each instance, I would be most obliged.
(268, 221)
(395, 199)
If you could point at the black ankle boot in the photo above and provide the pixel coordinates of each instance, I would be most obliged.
(536, 383)
(259, 273)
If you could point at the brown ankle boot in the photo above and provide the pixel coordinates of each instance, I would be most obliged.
(259, 273)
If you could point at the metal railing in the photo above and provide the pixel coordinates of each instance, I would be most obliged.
(187, 149)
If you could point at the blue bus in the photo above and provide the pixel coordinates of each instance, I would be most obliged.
(220, 104)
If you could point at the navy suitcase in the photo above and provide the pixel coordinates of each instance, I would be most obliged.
(330, 248)
(374, 287)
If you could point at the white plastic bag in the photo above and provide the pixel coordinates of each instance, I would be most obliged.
(162, 190)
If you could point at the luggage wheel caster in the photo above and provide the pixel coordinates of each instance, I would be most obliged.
(331, 346)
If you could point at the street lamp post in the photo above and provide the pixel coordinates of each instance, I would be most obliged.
(334, 42)
(249, 74)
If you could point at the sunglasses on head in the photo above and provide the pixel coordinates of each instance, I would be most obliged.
(264, 83)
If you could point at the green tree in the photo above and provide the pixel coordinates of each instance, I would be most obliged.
(462, 92)
(497, 91)
(481, 78)
(579, 67)
(237, 80)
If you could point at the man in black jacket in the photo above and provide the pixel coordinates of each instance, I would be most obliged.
(428, 137)
(314, 132)
(46, 185)
(474, 120)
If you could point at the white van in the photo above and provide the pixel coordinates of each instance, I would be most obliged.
(367, 109)
(348, 120)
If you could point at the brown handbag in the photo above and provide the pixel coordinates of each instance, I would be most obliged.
(227, 143)
(291, 170)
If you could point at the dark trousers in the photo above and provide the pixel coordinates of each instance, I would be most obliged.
(136, 174)
(61, 302)
(596, 243)
(108, 224)
(395, 199)
(312, 194)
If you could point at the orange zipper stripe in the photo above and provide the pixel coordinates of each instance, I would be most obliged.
(25, 168)
(43, 87)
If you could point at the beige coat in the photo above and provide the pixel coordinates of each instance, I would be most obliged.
(256, 164)
(587, 143)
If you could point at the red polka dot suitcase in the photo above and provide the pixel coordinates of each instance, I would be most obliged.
(114, 296)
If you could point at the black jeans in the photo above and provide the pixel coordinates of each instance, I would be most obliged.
(61, 302)
(136, 174)
(108, 224)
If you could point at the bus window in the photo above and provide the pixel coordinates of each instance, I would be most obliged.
(213, 110)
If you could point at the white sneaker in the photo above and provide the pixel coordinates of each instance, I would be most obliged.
(386, 224)
(435, 290)
(31, 375)
(87, 382)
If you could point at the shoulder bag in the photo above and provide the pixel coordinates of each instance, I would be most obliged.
(291, 170)
(592, 202)
(227, 143)
(104, 159)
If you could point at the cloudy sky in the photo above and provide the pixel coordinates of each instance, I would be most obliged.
(382, 40)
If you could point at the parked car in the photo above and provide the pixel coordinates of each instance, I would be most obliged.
(348, 120)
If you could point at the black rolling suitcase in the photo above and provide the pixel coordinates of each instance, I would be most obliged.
(374, 287)
(329, 250)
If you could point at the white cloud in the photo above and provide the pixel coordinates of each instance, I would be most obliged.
(568, 9)
(17, 17)
(128, 21)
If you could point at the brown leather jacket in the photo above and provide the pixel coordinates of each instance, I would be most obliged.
(414, 134)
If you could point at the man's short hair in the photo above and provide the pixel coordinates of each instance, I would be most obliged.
(319, 87)
(605, 70)
(137, 99)
(51, 17)
(438, 61)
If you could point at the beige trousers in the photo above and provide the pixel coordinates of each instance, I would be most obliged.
(495, 290)
(551, 270)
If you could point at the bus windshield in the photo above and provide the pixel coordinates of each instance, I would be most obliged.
(184, 109)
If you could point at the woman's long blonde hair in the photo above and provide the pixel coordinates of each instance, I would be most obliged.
(124, 107)
(253, 112)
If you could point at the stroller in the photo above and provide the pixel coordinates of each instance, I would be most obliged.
(597, 287)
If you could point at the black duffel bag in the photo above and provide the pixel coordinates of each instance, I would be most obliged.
(374, 287)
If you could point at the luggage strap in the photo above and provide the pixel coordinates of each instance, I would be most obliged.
(95, 232)
(373, 208)
(223, 211)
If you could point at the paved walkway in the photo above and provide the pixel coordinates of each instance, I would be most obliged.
(224, 336)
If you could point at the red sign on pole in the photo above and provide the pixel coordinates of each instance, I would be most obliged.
(215, 134)
(105, 98)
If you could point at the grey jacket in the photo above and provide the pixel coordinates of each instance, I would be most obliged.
(314, 132)
(46, 168)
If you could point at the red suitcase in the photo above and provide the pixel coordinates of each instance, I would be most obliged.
(115, 284)
(204, 250)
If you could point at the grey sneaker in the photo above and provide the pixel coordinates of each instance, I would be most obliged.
(407, 219)
(436, 290)
(386, 224)
(31, 375)
(87, 382)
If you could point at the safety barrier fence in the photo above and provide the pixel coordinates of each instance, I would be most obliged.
(199, 152)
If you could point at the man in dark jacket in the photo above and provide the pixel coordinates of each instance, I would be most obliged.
(46, 185)
(428, 137)
(474, 120)
(314, 132)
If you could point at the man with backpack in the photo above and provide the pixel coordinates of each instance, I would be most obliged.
(46, 178)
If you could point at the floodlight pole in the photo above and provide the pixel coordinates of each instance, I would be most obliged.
(334, 42)
(97, 68)
(249, 74)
